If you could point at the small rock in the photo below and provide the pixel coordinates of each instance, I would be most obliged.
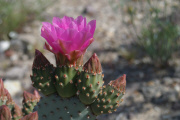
(16, 72)
(89, 10)
(4, 45)
(13, 86)
(13, 35)
(167, 80)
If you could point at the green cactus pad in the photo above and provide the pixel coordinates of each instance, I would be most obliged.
(66, 77)
(53, 107)
(43, 74)
(108, 100)
(89, 86)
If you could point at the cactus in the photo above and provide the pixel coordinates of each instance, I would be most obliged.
(90, 80)
(9, 110)
(54, 107)
(3, 97)
(70, 90)
(110, 97)
(29, 102)
(5, 113)
(43, 77)
(31, 116)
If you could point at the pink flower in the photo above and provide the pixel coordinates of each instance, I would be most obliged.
(67, 36)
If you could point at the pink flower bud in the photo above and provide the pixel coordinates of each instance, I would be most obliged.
(93, 65)
(119, 84)
(31, 116)
(5, 113)
(28, 97)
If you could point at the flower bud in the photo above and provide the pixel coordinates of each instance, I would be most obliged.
(93, 65)
(119, 84)
(5, 113)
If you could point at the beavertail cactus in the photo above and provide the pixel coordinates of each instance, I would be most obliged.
(70, 90)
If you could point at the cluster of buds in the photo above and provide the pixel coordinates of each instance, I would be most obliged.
(9, 110)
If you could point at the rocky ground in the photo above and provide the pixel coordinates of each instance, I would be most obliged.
(151, 93)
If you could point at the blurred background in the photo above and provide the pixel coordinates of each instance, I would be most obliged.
(140, 38)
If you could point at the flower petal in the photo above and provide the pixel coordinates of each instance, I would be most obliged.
(48, 32)
(82, 40)
(91, 26)
(81, 22)
(62, 23)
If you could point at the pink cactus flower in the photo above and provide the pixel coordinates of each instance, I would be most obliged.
(68, 36)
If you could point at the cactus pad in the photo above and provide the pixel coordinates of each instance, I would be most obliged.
(43, 74)
(90, 80)
(110, 97)
(53, 107)
(89, 87)
(65, 80)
